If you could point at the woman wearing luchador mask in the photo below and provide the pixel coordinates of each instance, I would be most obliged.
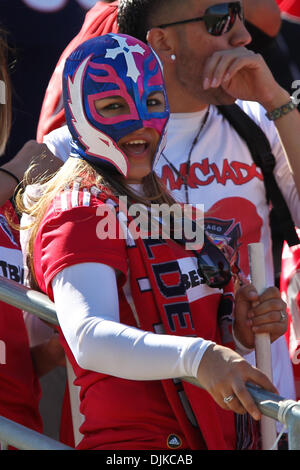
(137, 312)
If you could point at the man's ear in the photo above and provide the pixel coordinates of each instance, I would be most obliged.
(162, 43)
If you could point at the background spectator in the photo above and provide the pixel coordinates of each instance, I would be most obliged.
(37, 35)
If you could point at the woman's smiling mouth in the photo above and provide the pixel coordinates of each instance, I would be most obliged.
(136, 147)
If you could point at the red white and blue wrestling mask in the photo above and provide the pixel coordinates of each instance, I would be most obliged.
(111, 65)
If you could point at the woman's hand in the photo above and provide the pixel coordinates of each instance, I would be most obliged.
(34, 155)
(259, 314)
(224, 373)
(38, 155)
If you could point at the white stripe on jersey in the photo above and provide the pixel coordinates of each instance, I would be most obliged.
(75, 194)
(95, 191)
(123, 225)
(86, 197)
(112, 203)
(64, 200)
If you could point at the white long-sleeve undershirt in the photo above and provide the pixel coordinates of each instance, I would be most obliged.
(86, 300)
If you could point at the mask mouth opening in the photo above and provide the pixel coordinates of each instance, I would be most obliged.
(136, 147)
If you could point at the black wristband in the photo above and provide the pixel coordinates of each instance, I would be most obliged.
(10, 174)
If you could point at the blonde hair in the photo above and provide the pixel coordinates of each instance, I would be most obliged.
(5, 108)
(75, 169)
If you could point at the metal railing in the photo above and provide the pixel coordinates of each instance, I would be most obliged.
(12, 433)
(23, 438)
(278, 408)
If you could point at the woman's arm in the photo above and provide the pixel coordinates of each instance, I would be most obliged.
(45, 163)
(89, 318)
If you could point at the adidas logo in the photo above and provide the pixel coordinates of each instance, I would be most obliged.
(174, 441)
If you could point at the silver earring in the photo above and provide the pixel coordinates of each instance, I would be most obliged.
(173, 57)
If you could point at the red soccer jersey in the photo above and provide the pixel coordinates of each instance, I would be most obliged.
(19, 386)
(290, 290)
(118, 413)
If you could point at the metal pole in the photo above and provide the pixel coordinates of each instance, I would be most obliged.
(283, 410)
(27, 299)
(39, 304)
(23, 438)
(267, 402)
(293, 419)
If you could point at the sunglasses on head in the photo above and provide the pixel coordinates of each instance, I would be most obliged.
(218, 19)
(213, 265)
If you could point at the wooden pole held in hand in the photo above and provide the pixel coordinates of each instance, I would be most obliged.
(262, 341)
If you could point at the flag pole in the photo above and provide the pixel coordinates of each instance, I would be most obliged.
(262, 340)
